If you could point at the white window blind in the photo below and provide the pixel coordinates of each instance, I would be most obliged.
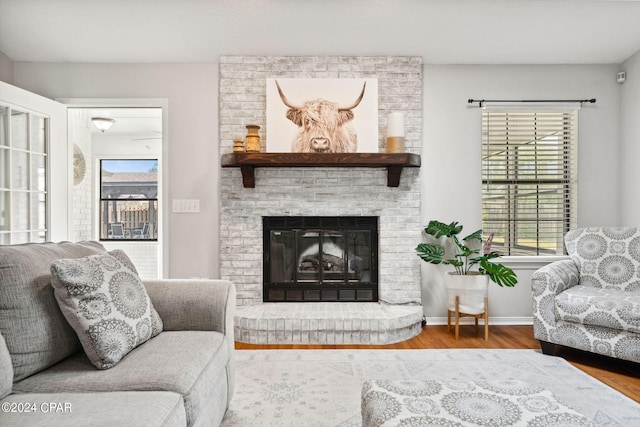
(529, 179)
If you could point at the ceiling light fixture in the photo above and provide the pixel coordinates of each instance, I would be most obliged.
(103, 123)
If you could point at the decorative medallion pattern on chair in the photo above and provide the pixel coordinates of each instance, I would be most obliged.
(592, 302)
(600, 307)
(606, 257)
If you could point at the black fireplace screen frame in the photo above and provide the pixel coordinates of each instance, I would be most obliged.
(304, 289)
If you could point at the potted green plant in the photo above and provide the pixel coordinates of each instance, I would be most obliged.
(466, 281)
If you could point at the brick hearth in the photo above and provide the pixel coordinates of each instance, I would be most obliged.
(327, 323)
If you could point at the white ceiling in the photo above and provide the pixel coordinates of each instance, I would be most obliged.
(441, 31)
(135, 124)
(136, 130)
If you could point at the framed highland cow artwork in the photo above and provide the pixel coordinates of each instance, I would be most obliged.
(322, 115)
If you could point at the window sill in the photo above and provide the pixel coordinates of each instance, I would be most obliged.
(529, 262)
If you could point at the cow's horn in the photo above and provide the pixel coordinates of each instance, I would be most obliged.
(284, 98)
(355, 104)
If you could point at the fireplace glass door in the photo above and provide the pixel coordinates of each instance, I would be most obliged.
(320, 259)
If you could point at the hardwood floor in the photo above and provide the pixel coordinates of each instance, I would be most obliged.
(621, 375)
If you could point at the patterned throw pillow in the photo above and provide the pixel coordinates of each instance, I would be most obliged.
(105, 302)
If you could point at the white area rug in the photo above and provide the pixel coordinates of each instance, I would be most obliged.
(323, 387)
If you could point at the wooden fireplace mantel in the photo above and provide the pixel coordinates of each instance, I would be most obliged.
(393, 162)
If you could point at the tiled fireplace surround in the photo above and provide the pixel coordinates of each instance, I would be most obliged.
(321, 192)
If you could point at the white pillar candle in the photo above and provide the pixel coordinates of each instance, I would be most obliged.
(395, 124)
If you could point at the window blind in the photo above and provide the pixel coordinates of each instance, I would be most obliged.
(529, 178)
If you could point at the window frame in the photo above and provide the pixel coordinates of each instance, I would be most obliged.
(153, 223)
(566, 182)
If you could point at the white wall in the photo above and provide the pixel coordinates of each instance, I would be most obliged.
(6, 69)
(630, 129)
(193, 155)
(452, 147)
(79, 134)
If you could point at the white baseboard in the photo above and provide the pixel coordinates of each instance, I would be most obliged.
(492, 321)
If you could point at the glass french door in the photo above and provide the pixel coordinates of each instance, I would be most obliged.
(31, 129)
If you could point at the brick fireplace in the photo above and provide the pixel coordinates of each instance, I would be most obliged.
(317, 191)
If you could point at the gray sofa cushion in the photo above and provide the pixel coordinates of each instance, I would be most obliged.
(121, 409)
(6, 369)
(36, 332)
(190, 363)
(107, 305)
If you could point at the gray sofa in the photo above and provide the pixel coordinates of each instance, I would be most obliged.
(591, 301)
(182, 376)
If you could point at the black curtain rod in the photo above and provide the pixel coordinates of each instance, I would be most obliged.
(581, 101)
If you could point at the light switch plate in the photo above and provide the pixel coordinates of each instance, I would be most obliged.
(191, 206)
(186, 206)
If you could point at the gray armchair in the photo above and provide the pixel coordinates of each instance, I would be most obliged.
(592, 301)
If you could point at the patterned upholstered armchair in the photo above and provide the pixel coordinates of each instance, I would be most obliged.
(592, 301)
